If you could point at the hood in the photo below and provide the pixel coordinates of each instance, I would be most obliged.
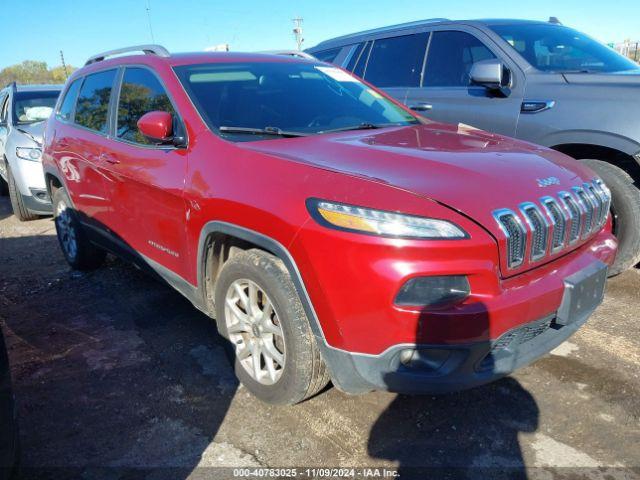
(627, 77)
(471, 171)
(33, 131)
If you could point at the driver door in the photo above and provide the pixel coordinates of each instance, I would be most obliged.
(145, 182)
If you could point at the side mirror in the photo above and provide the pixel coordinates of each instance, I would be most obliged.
(490, 73)
(157, 126)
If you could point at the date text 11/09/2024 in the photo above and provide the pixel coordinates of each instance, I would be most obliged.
(315, 473)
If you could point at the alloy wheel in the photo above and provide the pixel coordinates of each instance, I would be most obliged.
(255, 331)
(66, 231)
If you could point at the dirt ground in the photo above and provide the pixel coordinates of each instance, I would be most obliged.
(118, 376)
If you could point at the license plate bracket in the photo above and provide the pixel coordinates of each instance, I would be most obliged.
(583, 292)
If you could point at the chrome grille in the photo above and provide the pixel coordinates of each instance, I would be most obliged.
(535, 233)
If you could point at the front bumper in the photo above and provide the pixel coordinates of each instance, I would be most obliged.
(38, 202)
(445, 368)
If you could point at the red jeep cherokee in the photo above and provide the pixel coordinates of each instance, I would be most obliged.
(333, 234)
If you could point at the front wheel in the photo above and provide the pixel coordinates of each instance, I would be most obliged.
(79, 252)
(625, 211)
(269, 340)
(20, 210)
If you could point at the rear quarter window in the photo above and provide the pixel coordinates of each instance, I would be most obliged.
(65, 112)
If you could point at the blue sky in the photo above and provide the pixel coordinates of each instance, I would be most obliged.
(39, 29)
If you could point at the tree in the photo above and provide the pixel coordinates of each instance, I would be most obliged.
(30, 72)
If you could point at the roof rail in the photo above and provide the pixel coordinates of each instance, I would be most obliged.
(290, 53)
(12, 85)
(157, 50)
(387, 28)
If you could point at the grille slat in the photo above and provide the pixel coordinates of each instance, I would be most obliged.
(563, 219)
(539, 230)
(558, 222)
(587, 208)
(516, 236)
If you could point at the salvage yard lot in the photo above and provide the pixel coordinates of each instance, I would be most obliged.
(113, 369)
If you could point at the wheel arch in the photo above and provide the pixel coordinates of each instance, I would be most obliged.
(629, 163)
(339, 363)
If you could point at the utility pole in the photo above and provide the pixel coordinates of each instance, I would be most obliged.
(297, 31)
(149, 20)
(64, 65)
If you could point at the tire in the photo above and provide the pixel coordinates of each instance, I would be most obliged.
(79, 252)
(4, 188)
(625, 209)
(21, 212)
(302, 373)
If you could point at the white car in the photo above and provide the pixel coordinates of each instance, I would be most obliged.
(23, 111)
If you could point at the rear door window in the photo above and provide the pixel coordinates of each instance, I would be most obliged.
(65, 112)
(397, 61)
(362, 59)
(141, 92)
(328, 55)
(92, 109)
(451, 55)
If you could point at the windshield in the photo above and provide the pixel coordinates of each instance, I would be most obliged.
(31, 107)
(562, 49)
(271, 99)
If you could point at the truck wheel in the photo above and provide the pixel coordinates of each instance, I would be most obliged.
(269, 340)
(79, 252)
(21, 212)
(625, 210)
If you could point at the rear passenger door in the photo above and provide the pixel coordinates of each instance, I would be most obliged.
(446, 93)
(78, 145)
(145, 180)
(4, 129)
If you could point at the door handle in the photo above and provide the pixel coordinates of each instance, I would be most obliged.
(106, 157)
(421, 107)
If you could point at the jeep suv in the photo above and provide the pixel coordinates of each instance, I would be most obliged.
(23, 111)
(330, 231)
(538, 81)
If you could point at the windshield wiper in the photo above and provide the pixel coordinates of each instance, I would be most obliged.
(363, 126)
(262, 131)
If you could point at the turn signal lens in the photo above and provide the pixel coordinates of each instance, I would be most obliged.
(379, 222)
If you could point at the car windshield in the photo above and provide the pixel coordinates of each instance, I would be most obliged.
(561, 49)
(32, 107)
(255, 101)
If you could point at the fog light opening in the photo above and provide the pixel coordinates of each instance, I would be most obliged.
(436, 291)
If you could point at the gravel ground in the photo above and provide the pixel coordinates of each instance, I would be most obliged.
(118, 376)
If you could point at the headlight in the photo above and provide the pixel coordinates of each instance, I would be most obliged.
(378, 222)
(28, 153)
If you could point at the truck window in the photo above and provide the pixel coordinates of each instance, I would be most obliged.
(450, 57)
(397, 61)
(327, 55)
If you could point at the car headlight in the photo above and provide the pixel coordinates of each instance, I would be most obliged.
(383, 223)
(29, 153)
